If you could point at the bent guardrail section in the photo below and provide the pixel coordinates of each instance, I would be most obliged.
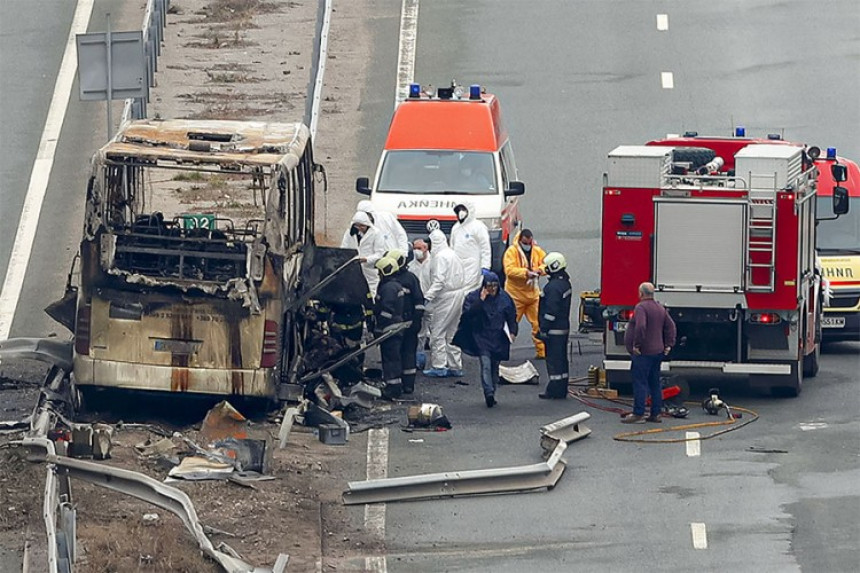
(472, 482)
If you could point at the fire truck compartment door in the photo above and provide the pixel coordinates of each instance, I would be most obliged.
(699, 245)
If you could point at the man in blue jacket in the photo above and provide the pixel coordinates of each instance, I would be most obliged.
(487, 328)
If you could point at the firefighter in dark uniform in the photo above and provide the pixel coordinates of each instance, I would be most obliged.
(554, 323)
(388, 313)
(413, 311)
(347, 327)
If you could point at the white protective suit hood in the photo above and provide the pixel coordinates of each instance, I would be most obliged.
(361, 218)
(366, 206)
(471, 210)
(438, 242)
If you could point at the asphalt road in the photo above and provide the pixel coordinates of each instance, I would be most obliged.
(575, 80)
(32, 40)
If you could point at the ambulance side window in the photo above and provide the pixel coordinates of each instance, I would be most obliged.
(509, 167)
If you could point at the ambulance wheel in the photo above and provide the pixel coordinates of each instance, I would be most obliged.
(696, 156)
(789, 385)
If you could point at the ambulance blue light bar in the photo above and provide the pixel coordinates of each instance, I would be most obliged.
(414, 90)
(740, 131)
(831, 153)
(474, 91)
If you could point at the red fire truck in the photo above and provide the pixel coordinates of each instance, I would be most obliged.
(725, 229)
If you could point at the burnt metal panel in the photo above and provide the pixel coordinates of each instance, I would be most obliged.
(350, 287)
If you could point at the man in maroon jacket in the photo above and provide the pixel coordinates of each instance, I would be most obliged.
(650, 336)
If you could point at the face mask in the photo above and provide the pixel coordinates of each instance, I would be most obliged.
(419, 254)
(360, 234)
(525, 247)
(462, 214)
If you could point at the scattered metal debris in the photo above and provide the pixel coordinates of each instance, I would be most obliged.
(498, 480)
(142, 487)
(427, 416)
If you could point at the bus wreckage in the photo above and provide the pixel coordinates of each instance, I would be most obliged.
(198, 270)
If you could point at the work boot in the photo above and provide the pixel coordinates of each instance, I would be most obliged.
(490, 400)
(633, 419)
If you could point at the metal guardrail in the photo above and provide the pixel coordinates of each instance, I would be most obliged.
(154, 21)
(473, 482)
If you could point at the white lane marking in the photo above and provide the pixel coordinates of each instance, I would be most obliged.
(27, 225)
(694, 444)
(406, 50)
(662, 22)
(813, 426)
(700, 535)
(668, 80)
(374, 513)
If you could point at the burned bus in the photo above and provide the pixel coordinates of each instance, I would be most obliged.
(195, 237)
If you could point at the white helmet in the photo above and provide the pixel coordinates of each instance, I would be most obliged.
(554, 262)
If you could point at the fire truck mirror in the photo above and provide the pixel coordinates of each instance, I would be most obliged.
(839, 172)
(840, 200)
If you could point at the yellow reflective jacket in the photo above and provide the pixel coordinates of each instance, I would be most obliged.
(517, 264)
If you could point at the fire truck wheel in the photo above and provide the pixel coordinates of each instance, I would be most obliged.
(810, 362)
(790, 385)
(696, 156)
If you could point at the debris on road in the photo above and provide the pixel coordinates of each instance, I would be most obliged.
(473, 482)
(427, 416)
(525, 373)
(223, 421)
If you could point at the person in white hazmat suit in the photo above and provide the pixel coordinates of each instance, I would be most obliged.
(420, 267)
(470, 239)
(370, 245)
(386, 225)
(444, 304)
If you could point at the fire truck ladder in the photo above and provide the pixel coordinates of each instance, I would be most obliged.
(761, 232)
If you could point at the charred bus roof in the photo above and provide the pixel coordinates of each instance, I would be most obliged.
(241, 146)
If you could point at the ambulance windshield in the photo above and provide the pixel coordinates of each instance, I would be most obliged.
(438, 172)
(842, 234)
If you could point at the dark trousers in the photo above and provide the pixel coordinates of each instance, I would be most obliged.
(489, 374)
(645, 370)
(407, 358)
(557, 365)
(392, 365)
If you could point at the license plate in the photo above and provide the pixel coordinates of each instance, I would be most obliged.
(833, 322)
(177, 346)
